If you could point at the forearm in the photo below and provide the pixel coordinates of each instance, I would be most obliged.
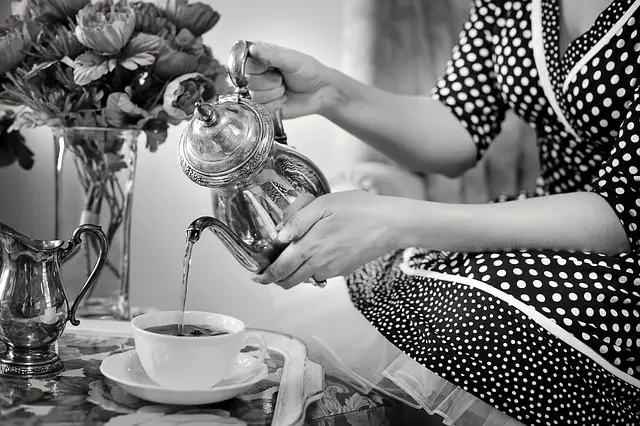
(417, 132)
(578, 221)
(356, 151)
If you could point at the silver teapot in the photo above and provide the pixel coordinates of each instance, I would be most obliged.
(33, 303)
(239, 150)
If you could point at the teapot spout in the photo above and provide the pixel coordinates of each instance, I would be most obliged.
(195, 229)
(249, 258)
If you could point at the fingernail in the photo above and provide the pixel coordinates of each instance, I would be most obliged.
(260, 279)
(283, 236)
(366, 183)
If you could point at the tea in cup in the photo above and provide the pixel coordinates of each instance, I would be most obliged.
(206, 353)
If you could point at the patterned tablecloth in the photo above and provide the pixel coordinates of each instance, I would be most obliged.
(80, 395)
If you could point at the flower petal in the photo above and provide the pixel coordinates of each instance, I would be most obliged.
(107, 33)
(197, 17)
(120, 109)
(58, 9)
(113, 113)
(172, 63)
(127, 106)
(12, 49)
(151, 20)
(180, 94)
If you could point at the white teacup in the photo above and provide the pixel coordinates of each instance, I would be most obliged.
(185, 362)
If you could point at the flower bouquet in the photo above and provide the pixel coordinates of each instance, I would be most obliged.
(104, 76)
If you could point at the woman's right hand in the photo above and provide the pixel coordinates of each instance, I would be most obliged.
(291, 80)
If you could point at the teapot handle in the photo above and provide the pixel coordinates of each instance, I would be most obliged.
(237, 63)
(278, 129)
(103, 245)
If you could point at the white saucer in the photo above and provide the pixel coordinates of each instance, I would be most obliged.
(125, 369)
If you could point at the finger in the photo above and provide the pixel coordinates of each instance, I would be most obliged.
(301, 275)
(272, 106)
(272, 56)
(265, 81)
(266, 96)
(301, 221)
(255, 66)
(286, 264)
(301, 201)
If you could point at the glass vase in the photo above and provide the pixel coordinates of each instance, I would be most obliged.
(94, 183)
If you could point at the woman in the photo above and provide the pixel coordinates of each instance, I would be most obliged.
(531, 304)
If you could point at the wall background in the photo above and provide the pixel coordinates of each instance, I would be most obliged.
(166, 201)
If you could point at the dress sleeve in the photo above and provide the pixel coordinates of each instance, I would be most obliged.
(469, 86)
(618, 180)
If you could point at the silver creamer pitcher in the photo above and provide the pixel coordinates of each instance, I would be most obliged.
(238, 150)
(33, 302)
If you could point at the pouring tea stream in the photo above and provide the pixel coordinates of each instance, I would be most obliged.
(236, 148)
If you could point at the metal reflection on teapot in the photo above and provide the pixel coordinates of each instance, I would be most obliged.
(33, 303)
(236, 148)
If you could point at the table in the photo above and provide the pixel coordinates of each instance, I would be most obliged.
(80, 395)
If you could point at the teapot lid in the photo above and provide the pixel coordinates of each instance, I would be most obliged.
(228, 140)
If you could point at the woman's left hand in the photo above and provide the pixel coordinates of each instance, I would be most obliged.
(333, 235)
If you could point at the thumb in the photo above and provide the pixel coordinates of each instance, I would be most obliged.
(301, 221)
(272, 56)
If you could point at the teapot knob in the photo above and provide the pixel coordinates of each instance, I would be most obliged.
(205, 112)
(237, 61)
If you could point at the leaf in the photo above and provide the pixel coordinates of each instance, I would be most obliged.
(89, 59)
(13, 148)
(155, 138)
(115, 162)
(7, 157)
(143, 43)
(37, 68)
(139, 60)
(26, 119)
(69, 62)
(102, 121)
(97, 97)
(24, 154)
(54, 122)
(141, 51)
(91, 67)
(87, 119)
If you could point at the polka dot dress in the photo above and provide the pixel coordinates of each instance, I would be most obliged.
(548, 337)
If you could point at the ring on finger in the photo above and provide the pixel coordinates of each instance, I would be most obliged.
(321, 284)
